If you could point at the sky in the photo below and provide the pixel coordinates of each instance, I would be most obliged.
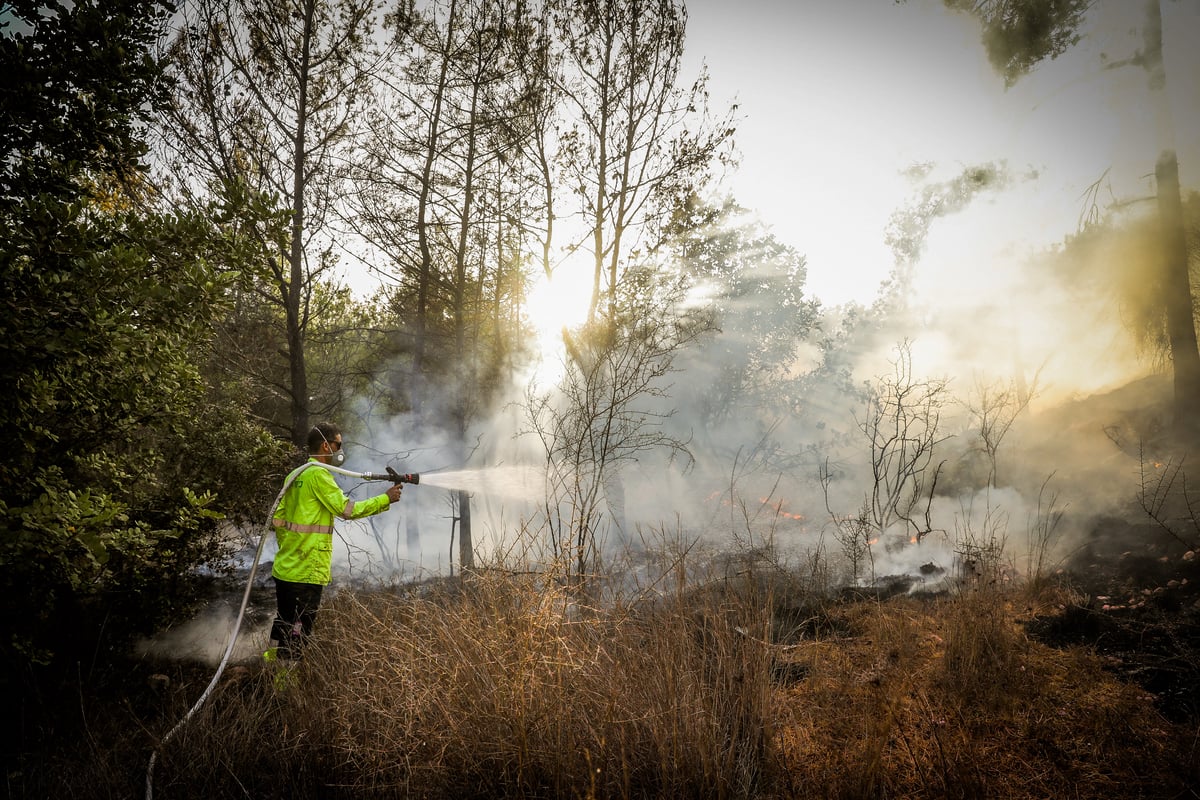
(839, 96)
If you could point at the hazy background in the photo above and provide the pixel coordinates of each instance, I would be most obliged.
(848, 111)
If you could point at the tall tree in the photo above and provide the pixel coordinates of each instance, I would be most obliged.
(393, 204)
(542, 62)
(269, 94)
(1019, 34)
(434, 193)
(636, 139)
(487, 77)
(1177, 288)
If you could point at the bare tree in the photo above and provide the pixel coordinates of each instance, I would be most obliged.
(1164, 496)
(607, 411)
(902, 426)
(854, 533)
(625, 141)
(1043, 531)
(995, 407)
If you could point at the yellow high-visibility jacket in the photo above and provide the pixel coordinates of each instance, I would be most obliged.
(303, 524)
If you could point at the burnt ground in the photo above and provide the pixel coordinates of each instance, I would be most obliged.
(1139, 608)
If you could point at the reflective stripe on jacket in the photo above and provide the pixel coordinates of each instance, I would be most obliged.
(303, 524)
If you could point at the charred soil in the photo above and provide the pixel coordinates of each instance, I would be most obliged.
(1138, 608)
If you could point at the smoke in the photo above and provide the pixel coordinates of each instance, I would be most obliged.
(205, 637)
(773, 397)
(1021, 259)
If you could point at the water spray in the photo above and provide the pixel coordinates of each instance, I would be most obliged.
(390, 475)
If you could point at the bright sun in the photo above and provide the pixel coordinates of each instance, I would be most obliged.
(554, 304)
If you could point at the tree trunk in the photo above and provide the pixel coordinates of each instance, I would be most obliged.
(425, 223)
(296, 285)
(412, 532)
(600, 197)
(468, 379)
(1181, 326)
(1177, 289)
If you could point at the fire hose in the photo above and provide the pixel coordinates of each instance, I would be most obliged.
(390, 475)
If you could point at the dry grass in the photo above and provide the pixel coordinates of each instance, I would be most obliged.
(949, 699)
(506, 688)
(502, 686)
(506, 685)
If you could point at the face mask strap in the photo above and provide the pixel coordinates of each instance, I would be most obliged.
(338, 455)
(321, 433)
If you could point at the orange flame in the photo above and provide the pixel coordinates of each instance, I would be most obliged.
(778, 508)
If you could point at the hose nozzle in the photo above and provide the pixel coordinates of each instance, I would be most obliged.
(394, 477)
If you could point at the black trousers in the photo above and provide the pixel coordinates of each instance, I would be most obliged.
(296, 610)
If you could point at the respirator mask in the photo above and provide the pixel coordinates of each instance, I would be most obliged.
(338, 456)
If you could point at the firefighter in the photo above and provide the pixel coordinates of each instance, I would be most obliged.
(303, 525)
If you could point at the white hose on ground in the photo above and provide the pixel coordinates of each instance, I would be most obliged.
(237, 625)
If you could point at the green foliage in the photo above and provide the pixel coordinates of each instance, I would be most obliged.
(347, 341)
(251, 337)
(102, 311)
(72, 558)
(1018, 34)
(122, 458)
(78, 83)
(108, 314)
(754, 288)
(909, 227)
(101, 394)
